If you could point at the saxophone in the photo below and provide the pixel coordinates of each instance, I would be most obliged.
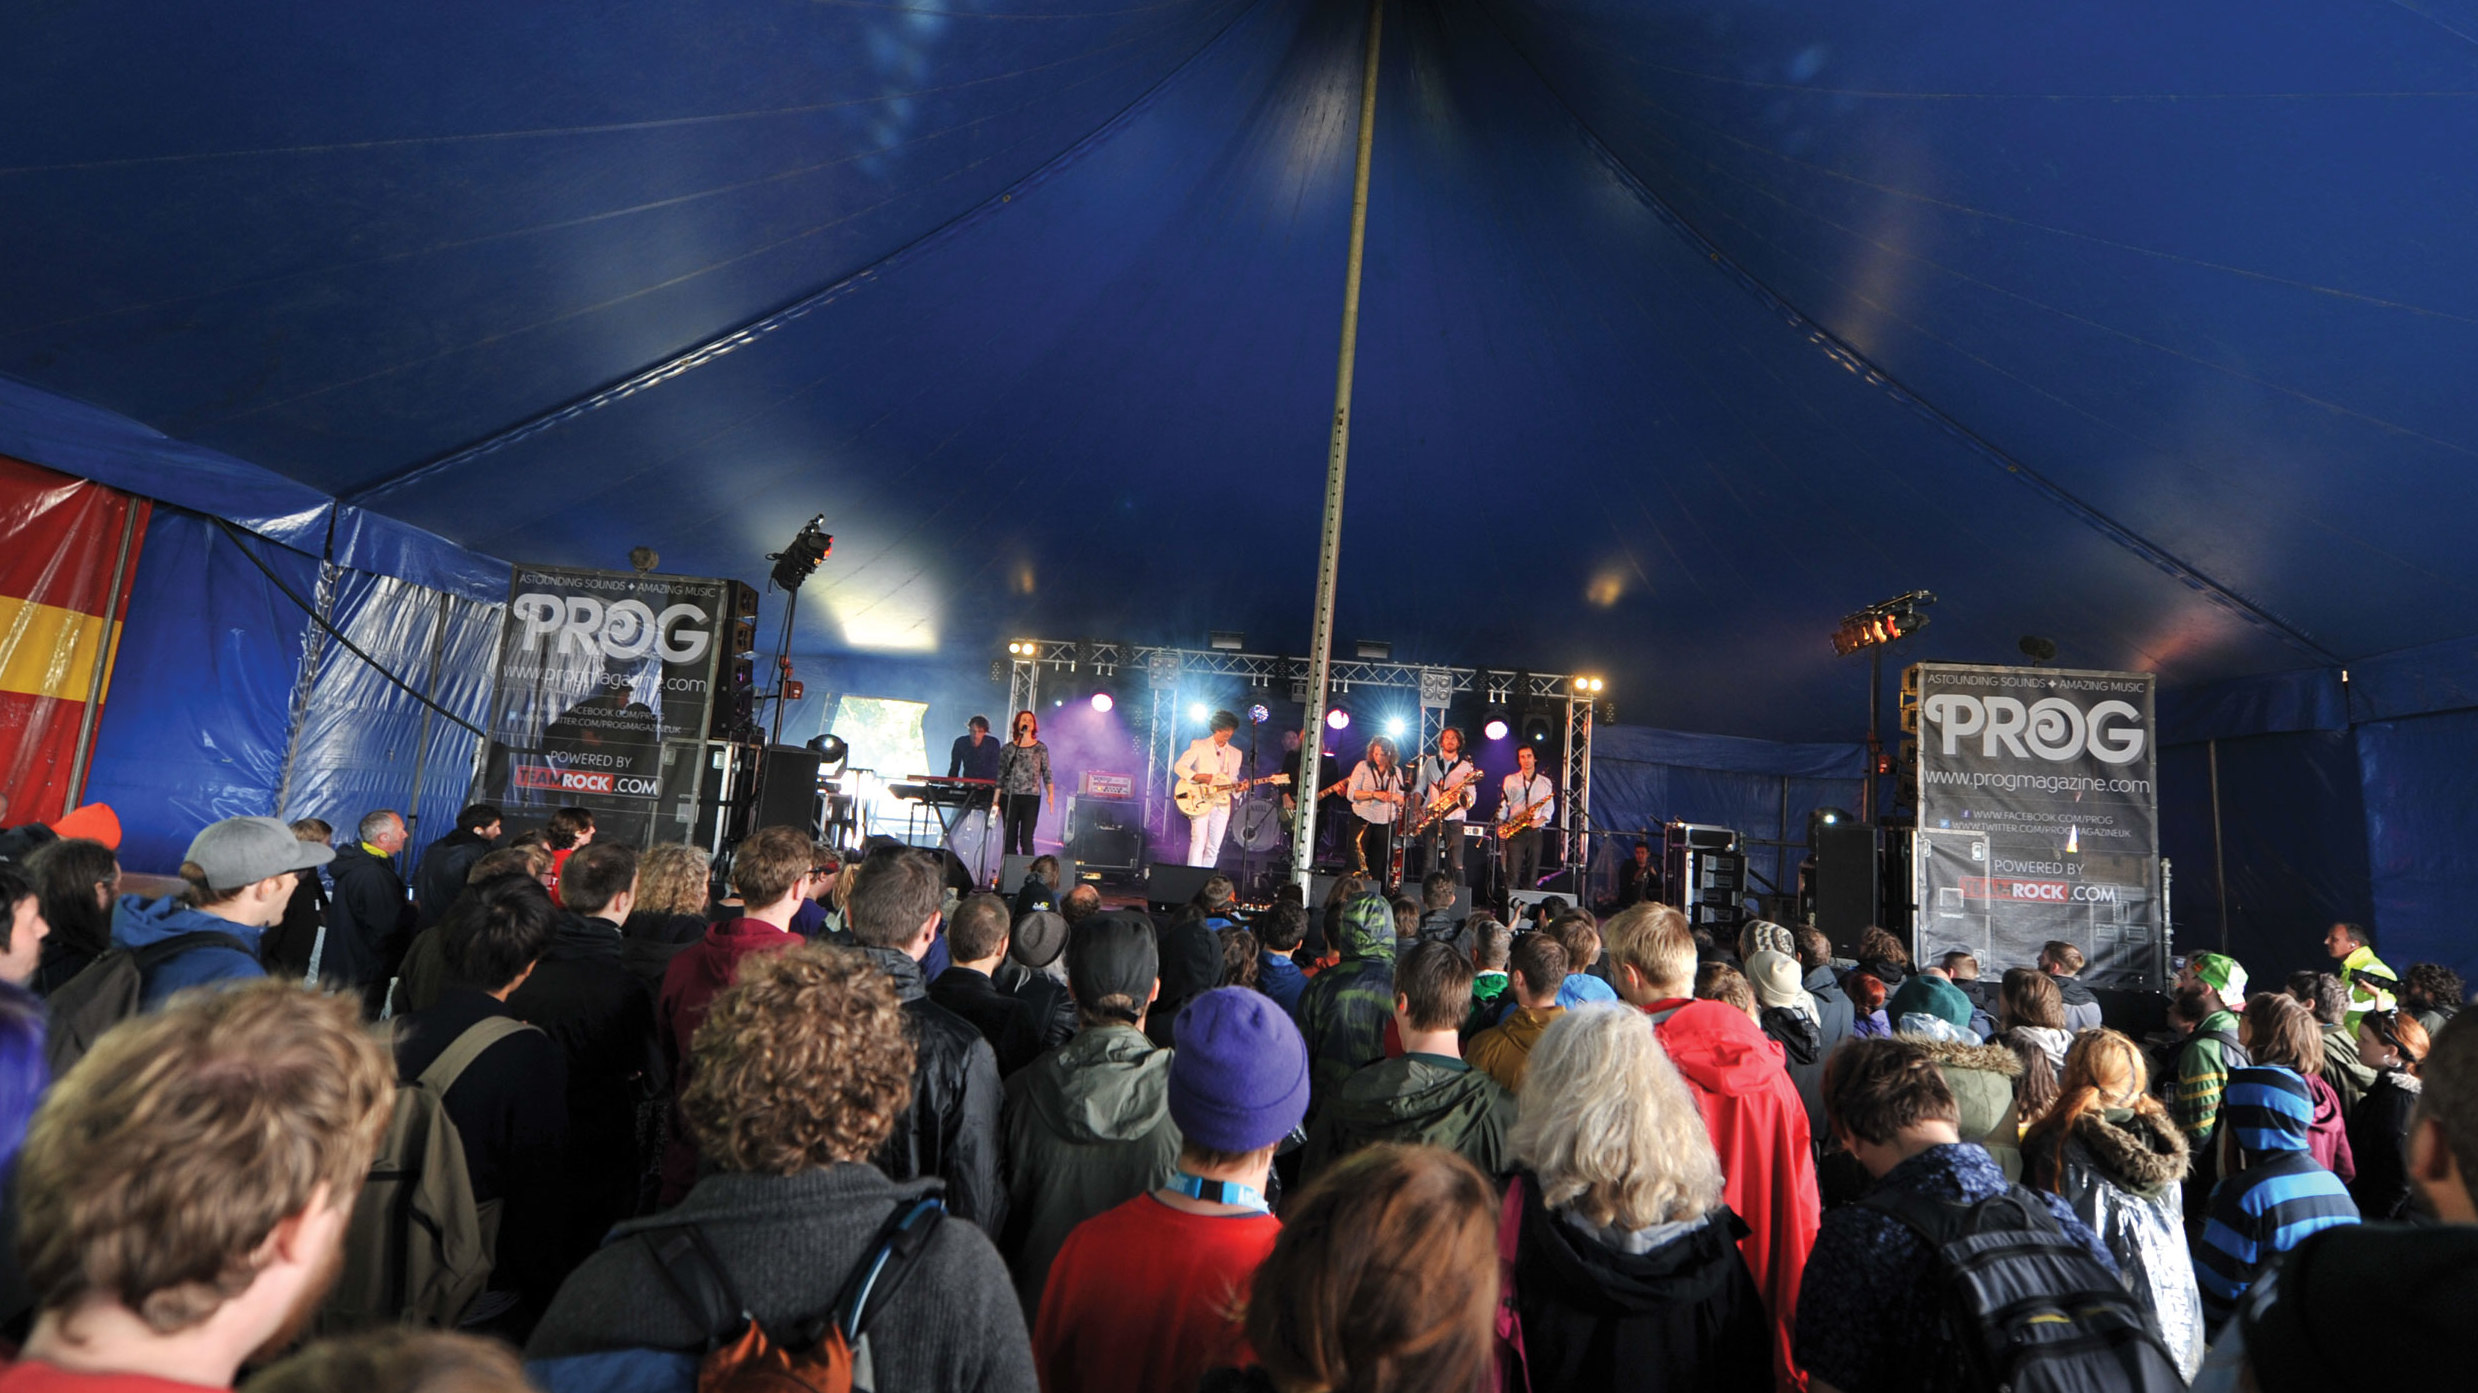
(1532, 816)
(1443, 801)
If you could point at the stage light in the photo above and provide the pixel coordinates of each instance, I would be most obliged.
(1337, 719)
(1494, 730)
(1260, 713)
(1226, 640)
(793, 563)
(1102, 701)
(1199, 711)
(1589, 684)
(1375, 650)
(1395, 727)
(1024, 648)
(1889, 622)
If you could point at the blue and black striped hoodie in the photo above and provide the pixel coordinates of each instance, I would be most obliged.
(2278, 1197)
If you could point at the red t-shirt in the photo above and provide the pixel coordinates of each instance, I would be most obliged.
(1140, 1298)
(31, 1376)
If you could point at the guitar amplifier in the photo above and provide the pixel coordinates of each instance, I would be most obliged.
(1096, 784)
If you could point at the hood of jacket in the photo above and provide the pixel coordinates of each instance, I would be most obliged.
(2073, 991)
(1411, 1098)
(137, 922)
(1982, 1079)
(1596, 1280)
(2141, 1153)
(2052, 1042)
(715, 959)
(2271, 1108)
(580, 936)
(1719, 1049)
(1364, 928)
(1800, 1038)
(352, 859)
(1108, 1084)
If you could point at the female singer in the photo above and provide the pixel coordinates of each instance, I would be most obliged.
(1375, 791)
(1023, 781)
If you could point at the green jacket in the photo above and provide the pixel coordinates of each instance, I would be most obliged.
(2342, 1069)
(1419, 1098)
(2202, 1076)
(2365, 994)
(1343, 1010)
(1983, 1078)
(1087, 1128)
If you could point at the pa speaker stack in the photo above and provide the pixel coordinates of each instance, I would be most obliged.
(1705, 874)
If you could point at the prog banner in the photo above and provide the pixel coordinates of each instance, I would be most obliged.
(604, 688)
(2038, 817)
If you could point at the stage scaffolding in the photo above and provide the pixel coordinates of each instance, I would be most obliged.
(1166, 670)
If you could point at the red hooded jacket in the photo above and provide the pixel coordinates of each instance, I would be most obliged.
(1759, 1129)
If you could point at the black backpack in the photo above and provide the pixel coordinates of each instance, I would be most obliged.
(826, 1353)
(107, 991)
(2024, 1308)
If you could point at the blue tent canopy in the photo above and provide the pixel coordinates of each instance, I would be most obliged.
(1689, 326)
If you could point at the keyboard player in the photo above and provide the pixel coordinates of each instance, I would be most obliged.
(975, 756)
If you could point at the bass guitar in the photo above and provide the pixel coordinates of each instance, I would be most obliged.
(1197, 797)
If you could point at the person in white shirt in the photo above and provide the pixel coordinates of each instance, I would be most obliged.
(1210, 761)
(1375, 791)
(1446, 774)
(1525, 791)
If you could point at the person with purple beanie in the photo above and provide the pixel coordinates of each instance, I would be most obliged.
(1141, 1297)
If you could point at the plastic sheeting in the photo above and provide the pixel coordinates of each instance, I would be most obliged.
(92, 443)
(60, 558)
(365, 742)
(202, 696)
(1642, 778)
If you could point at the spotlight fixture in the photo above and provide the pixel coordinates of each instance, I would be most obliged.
(1024, 648)
(1536, 727)
(1395, 726)
(1375, 650)
(1102, 701)
(793, 563)
(1495, 729)
(1226, 640)
(1198, 711)
(1260, 713)
(1337, 719)
(2038, 650)
(1894, 619)
(643, 559)
(1589, 684)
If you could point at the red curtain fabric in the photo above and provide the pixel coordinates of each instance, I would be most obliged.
(60, 546)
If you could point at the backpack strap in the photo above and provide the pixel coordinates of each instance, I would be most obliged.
(891, 1258)
(689, 1266)
(164, 950)
(466, 1048)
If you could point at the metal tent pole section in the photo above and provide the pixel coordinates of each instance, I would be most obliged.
(2219, 857)
(103, 661)
(1337, 457)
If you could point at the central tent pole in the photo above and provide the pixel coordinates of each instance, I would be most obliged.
(1337, 455)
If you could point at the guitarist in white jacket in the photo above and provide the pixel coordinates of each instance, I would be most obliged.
(1215, 761)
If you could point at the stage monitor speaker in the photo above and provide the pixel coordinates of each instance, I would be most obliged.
(1168, 887)
(1320, 885)
(1016, 866)
(1846, 889)
(787, 789)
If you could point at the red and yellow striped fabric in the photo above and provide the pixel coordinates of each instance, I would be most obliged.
(59, 540)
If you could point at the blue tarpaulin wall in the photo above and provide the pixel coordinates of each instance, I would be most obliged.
(216, 710)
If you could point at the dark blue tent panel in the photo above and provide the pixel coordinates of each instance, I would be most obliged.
(1688, 327)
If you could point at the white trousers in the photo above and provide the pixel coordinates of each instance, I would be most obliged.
(1204, 836)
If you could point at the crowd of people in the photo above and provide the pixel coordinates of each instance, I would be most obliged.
(554, 1113)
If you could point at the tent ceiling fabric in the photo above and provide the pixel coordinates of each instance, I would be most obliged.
(1688, 327)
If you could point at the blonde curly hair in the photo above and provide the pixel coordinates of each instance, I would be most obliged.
(805, 1060)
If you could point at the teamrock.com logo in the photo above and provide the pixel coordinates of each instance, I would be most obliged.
(2052, 728)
